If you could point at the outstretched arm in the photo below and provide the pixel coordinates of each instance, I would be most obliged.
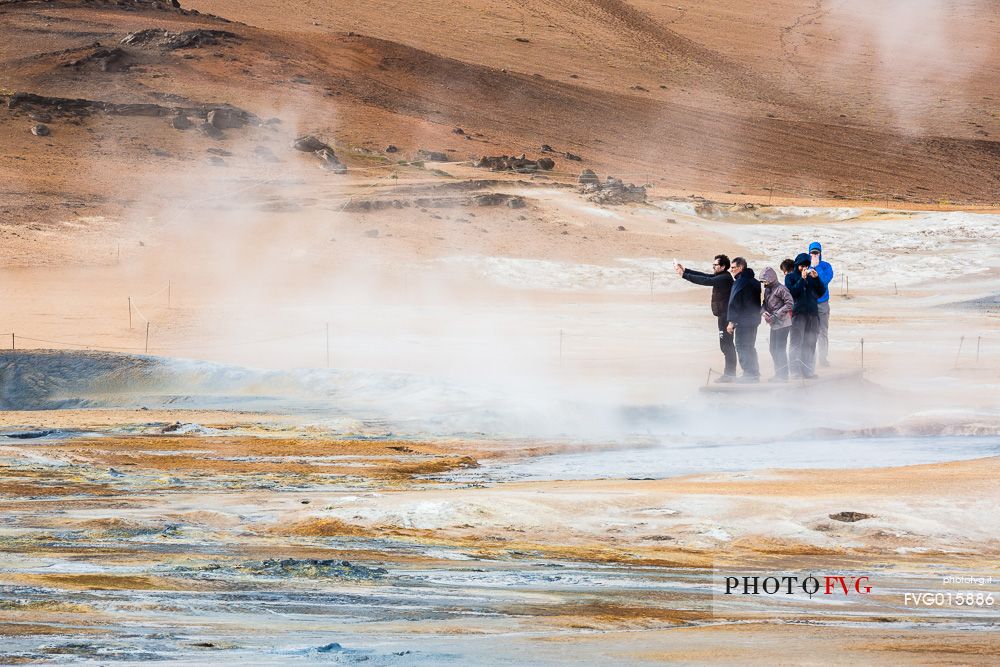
(708, 279)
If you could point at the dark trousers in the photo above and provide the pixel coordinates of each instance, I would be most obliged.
(727, 346)
(779, 351)
(746, 348)
(802, 357)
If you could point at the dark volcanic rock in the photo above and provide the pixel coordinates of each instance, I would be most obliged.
(107, 60)
(226, 119)
(615, 191)
(572, 156)
(265, 153)
(40, 130)
(40, 117)
(63, 106)
(328, 160)
(211, 131)
(432, 156)
(851, 517)
(391, 149)
(181, 122)
(546, 163)
(158, 37)
(588, 177)
(520, 164)
(308, 144)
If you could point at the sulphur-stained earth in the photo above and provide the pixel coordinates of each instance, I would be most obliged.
(351, 333)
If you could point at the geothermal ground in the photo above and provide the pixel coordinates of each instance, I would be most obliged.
(345, 403)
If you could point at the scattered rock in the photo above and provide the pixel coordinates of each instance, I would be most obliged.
(182, 40)
(391, 149)
(851, 517)
(546, 149)
(458, 131)
(518, 164)
(107, 60)
(572, 156)
(432, 156)
(640, 88)
(523, 40)
(621, 228)
(216, 161)
(546, 163)
(298, 78)
(181, 122)
(314, 568)
(265, 153)
(611, 192)
(219, 151)
(211, 131)
(308, 144)
(40, 130)
(329, 161)
(159, 152)
(498, 199)
(372, 233)
(226, 119)
(40, 117)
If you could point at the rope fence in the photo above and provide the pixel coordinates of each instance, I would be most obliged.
(965, 352)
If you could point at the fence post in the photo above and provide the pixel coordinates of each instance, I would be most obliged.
(978, 341)
(130, 312)
(847, 281)
(862, 354)
(147, 337)
(961, 341)
(12, 342)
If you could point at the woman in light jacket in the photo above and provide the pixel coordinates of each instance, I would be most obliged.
(778, 314)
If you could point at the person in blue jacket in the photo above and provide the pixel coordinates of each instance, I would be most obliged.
(806, 288)
(825, 273)
(744, 318)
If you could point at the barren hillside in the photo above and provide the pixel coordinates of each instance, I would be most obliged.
(696, 97)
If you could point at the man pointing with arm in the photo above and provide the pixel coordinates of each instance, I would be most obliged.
(722, 284)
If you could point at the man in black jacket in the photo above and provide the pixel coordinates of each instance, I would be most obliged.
(744, 318)
(721, 283)
(806, 288)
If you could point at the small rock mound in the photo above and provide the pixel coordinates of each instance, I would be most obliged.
(851, 517)
(107, 60)
(613, 191)
(520, 164)
(432, 156)
(40, 130)
(158, 37)
(328, 159)
(308, 144)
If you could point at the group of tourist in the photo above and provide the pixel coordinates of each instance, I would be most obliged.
(797, 310)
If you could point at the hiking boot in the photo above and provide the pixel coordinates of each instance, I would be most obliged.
(726, 378)
(748, 379)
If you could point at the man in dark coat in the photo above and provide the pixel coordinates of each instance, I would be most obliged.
(721, 283)
(744, 318)
(806, 288)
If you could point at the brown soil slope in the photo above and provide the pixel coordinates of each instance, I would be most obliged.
(635, 89)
